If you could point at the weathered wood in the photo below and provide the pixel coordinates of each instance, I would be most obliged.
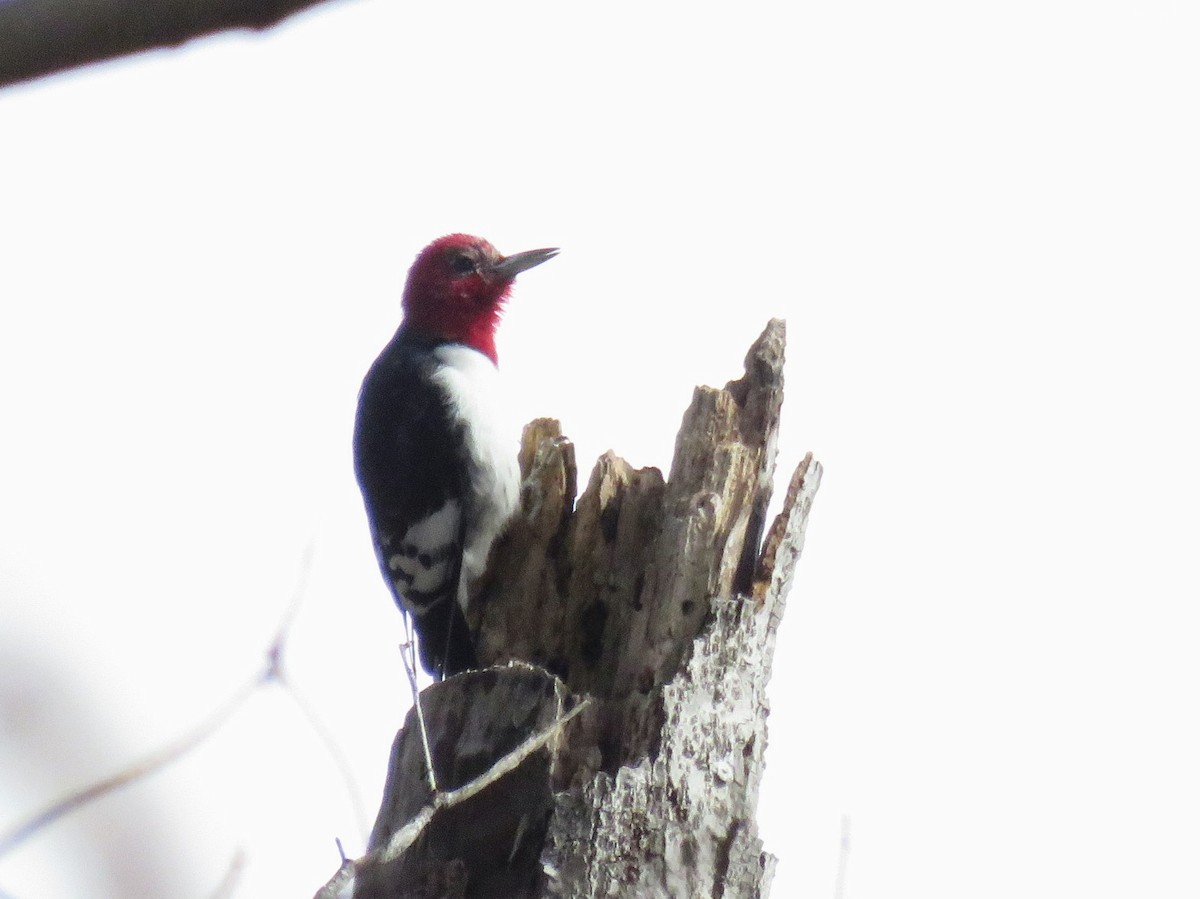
(491, 842)
(680, 822)
(610, 595)
(658, 600)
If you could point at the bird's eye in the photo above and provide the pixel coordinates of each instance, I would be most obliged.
(462, 263)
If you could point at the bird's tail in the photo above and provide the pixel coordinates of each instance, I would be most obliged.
(444, 640)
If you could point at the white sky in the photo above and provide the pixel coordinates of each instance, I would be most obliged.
(981, 223)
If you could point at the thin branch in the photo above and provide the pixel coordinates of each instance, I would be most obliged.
(148, 765)
(271, 672)
(340, 881)
(839, 888)
(339, 758)
(38, 37)
(277, 674)
(275, 652)
(407, 835)
(408, 656)
(233, 874)
(403, 838)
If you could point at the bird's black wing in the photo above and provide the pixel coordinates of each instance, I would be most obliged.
(407, 460)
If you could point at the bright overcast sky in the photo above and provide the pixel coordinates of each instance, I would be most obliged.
(980, 221)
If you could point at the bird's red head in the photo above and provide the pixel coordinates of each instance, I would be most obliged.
(457, 287)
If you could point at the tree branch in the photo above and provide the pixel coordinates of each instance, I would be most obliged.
(271, 672)
(147, 766)
(39, 37)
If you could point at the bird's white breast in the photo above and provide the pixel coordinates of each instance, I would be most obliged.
(471, 384)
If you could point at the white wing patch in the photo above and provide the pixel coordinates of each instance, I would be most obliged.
(472, 384)
(425, 559)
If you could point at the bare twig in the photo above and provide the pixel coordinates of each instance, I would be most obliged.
(272, 671)
(408, 656)
(148, 765)
(275, 652)
(277, 674)
(344, 876)
(339, 758)
(839, 887)
(38, 37)
(405, 836)
(233, 873)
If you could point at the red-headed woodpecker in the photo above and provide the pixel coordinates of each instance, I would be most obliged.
(435, 461)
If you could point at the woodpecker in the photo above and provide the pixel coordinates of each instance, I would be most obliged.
(434, 459)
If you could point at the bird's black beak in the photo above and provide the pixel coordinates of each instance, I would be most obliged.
(511, 266)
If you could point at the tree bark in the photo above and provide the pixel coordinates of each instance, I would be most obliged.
(615, 745)
(39, 37)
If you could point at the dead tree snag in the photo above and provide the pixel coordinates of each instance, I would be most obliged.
(655, 600)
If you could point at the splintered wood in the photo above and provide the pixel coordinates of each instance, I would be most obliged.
(608, 593)
(658, 600)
